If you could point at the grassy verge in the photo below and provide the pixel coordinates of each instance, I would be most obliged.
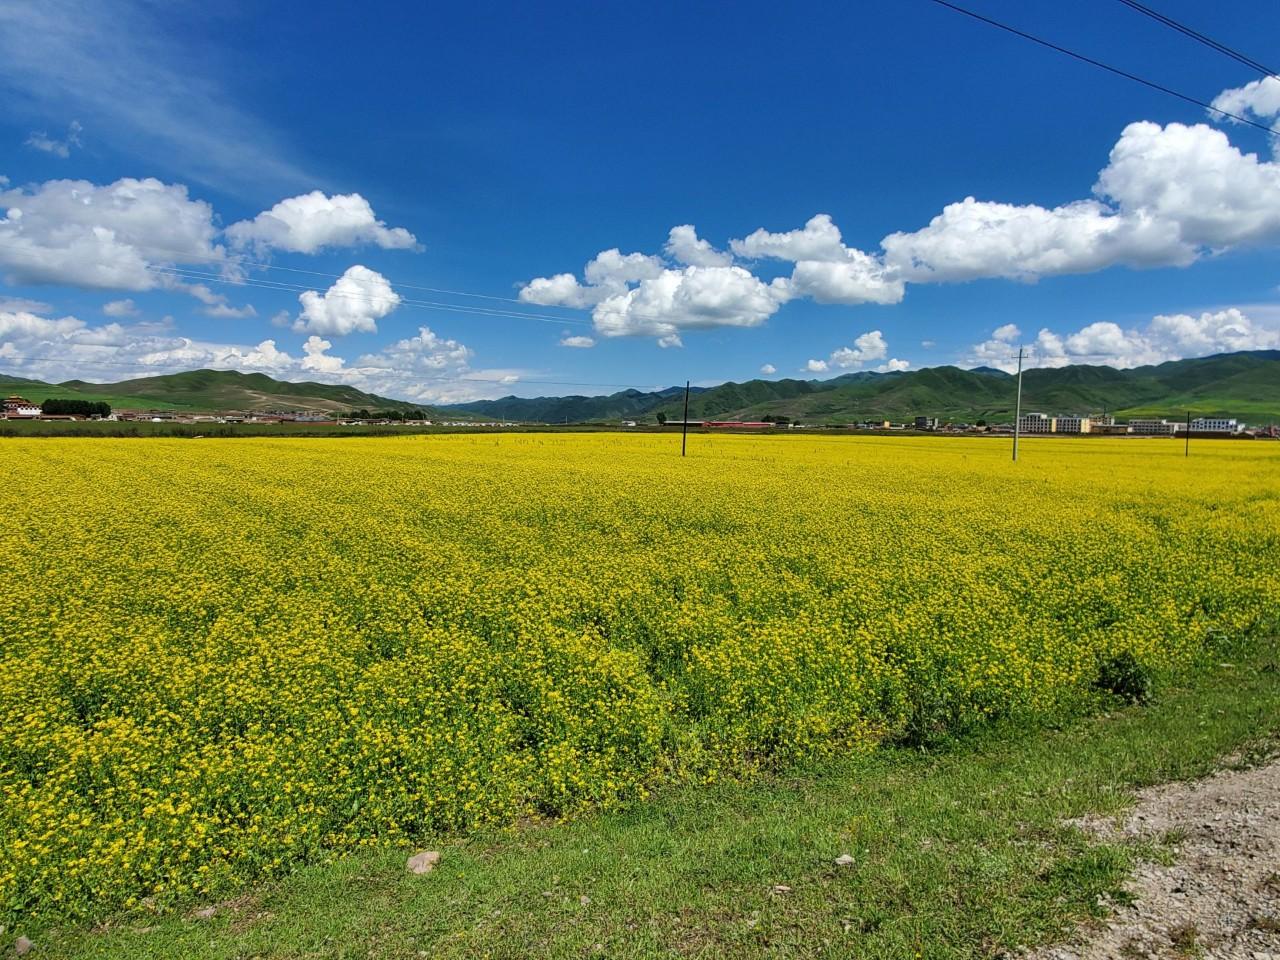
(958, 853)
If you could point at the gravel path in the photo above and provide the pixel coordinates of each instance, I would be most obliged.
(1221, 898)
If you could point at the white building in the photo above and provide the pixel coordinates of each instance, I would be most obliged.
(1036, 423)
(1148, 427)
(1072, 425)
(1215, 425)
(20, 407)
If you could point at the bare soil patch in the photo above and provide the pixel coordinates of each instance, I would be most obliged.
(1220, 898)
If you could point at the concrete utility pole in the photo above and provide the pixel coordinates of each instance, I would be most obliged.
(684, 428)
(1017, 409)
(1187, 450)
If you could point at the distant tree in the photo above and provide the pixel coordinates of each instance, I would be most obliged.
(662, 418)
(982, 423)
(56, 406)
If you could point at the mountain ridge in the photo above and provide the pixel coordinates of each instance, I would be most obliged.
(1244, 384)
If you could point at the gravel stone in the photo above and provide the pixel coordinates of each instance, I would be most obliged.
(1223, 890)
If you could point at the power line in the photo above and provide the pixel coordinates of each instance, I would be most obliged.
(182, 273)
(192, 274)
(188, 256)
(1182, 28)
(1098, 63)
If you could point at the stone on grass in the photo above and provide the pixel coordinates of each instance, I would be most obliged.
(23, 946)
(206, 913)
(844, 860)
(423, 862)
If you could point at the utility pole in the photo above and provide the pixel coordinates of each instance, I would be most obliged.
(1017, 409)
(1187, 450)
(684, 427)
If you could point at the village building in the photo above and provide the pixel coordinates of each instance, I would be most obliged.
(1215, 425)
(1036, 423)
(1072, 424)
(1149, 427)
(15, 407)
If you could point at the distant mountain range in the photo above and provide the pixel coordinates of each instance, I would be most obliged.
(1244, 385)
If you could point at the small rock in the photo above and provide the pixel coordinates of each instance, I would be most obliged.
(206, 913)
(781, 888)
(584, 900)
(423, 862)
(844, 860)
(23, 946)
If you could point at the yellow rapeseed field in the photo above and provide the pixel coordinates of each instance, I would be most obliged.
(223, 658)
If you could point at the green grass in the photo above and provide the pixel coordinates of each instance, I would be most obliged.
(118, 401)
(959, 853)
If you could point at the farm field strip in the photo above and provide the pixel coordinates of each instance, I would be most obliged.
(221, 659)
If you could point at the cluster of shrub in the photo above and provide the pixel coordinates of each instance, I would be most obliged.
(79, 408)
(386, 415)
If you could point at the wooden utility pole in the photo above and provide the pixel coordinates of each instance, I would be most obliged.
(1017, 409)
(684, 427)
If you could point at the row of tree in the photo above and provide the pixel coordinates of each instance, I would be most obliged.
(78, 408)
(387, 415)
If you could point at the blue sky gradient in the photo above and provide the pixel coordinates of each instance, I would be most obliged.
(517, 141)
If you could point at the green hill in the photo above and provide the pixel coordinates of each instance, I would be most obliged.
(210, 390)
(571, 409)
(1243, 385)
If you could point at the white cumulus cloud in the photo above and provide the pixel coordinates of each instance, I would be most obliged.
(819, 239)
(581, 343)
(77, 233)
(313, 222)
(120, 308)
(825, 269)
(690, 298)
(768, 369)
(1167, 197)
(355, 303)
(636, 294)
(1165, 337)
(1260, 98)
(866, 347)
(685, 246)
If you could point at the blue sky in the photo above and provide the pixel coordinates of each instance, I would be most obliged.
(186, 188)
